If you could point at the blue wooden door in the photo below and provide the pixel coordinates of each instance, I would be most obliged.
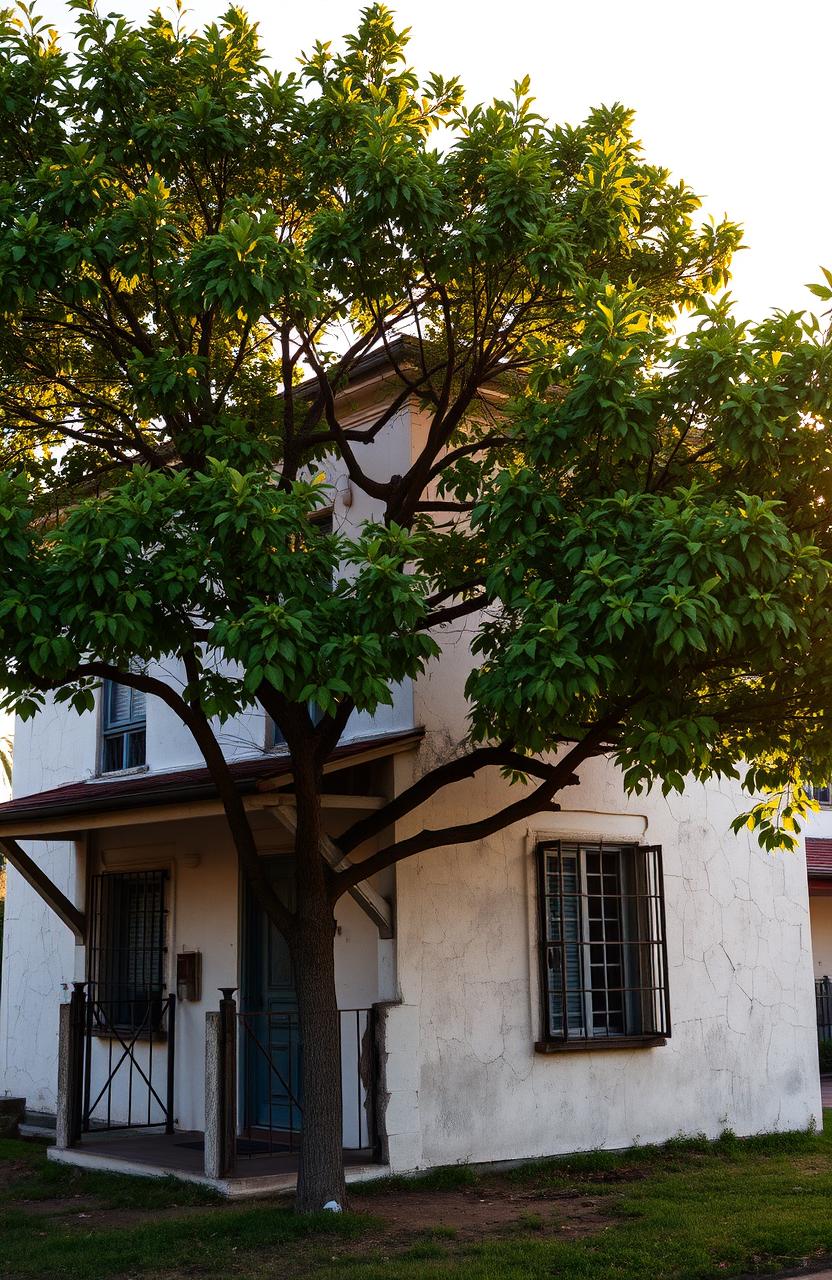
(271, 1041)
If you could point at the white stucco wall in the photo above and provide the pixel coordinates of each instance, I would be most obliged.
(38, 957)
(38, 951)
(742, 1053)
(462, 1077)
(6, 731)
(58, 747)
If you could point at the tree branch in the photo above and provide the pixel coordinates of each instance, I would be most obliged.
(440, 616)
(463, 450)
(371, 487)
(562, 775)
(444, 775)
(443, 505)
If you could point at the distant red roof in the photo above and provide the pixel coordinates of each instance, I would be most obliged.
(818, 856)
(139, 790)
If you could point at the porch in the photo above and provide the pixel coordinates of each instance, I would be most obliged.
(116, 1112)
(181, 1155)
(156, 1075)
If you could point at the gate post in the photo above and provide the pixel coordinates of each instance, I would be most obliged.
(213, 1164)
(72, 1021)
(228, 1075)
(171, 1072)
(221, 1087)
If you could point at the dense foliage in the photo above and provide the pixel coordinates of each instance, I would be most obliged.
(185, 233)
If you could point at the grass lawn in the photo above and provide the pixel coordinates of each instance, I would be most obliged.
(685, 1211)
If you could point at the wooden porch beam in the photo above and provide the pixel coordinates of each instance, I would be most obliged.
(377, 908)
(44, 887)
(69, 826)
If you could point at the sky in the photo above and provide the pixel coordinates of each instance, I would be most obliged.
(731, 95)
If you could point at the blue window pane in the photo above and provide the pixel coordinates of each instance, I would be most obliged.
(123, 743)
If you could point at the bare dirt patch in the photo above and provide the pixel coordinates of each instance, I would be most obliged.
(489, 1208)
(11, 1171)
(63, 1206)
(472, 1213)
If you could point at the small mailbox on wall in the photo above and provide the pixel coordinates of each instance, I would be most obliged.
(189, 975)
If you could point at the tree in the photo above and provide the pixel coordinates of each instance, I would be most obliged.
(196, 253)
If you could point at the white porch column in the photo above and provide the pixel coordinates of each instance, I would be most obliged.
(399, 1121)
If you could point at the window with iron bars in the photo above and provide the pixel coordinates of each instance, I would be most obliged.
(127, 950)
(603, 954)
(123, 728)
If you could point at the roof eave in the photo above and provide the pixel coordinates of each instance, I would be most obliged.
(136, 806)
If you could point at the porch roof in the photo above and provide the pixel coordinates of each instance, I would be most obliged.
(72, 805)
(180, 794)
(818, 856)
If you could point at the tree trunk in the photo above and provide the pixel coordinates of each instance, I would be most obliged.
(321, 1171)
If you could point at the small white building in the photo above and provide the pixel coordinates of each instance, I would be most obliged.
(622, 971)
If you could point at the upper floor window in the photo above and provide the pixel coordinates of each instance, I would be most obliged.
(123, 728)
(603, 957)
(822, 792)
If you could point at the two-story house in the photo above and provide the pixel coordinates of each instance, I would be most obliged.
(621, 971)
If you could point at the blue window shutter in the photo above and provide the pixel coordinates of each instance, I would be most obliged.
(123, 744)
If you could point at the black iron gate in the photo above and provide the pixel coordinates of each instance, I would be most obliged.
(129, 1063)
(271, 1096)
(129, 1022)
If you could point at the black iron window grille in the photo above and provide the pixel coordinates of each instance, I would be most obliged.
(123, 728)
(603, 952)
(127, 951)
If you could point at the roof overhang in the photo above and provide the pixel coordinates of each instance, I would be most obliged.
(819, 857)
(71, 811)
(143, 798)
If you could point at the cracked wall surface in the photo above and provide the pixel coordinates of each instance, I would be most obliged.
(468, 1084)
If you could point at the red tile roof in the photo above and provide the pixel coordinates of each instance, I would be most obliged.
(818, 856)
(140, 790)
